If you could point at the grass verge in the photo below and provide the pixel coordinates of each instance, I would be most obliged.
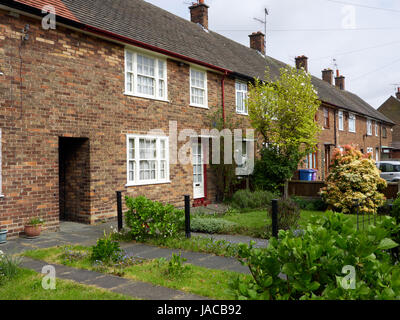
(201, 281)
(27, 285)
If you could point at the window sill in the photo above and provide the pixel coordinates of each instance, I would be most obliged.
(198, 106)
(145, 97)
(242, 113)
(352, 131)
(138, 184)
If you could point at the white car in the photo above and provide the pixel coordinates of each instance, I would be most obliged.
(390, 170)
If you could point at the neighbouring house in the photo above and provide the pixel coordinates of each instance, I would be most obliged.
(391, 109)
(77, 103)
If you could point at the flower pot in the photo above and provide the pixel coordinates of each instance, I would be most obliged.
(33, 231)
(3, 236)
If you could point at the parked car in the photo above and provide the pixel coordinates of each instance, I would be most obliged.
(390, 170)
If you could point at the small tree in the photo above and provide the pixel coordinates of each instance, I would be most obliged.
(283, 112)
(354, 179)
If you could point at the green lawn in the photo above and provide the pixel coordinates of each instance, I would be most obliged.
(27, 285)
(197, 280)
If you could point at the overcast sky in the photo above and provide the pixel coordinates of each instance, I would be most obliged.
(362, 35)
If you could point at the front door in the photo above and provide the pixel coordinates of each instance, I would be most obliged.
(198, 170)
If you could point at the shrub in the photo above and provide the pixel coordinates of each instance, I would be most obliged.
(314, 263)
(310, 204)
(147, 219)
(175, 267)
(9, 266)
(353, 178)
(395, 213)
(245, 199)
(106, 250)
(288, 214)
(211, 225)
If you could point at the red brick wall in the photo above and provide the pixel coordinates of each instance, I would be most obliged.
(73, 86)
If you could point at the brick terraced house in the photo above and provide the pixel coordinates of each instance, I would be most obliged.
(77, 103)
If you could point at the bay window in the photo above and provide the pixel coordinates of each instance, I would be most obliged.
(148, 160)
(198, 88)
(145, 76)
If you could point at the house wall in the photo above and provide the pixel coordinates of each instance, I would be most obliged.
(359, 139)
(73, 86)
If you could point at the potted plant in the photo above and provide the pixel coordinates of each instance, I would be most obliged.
(33, 228)
(3, 236)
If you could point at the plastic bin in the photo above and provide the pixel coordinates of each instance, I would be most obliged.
(306, 174)
(314, 175)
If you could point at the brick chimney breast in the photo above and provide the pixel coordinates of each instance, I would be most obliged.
(327, 75)
(302, 62)
(257, 41)
(340, 81)
(199, 13)
(398, 93)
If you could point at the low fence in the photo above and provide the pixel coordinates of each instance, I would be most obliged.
(310, 189)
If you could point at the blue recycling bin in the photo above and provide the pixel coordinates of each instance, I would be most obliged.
(306, 174)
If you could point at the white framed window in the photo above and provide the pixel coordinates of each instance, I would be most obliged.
(376, 128)
(147, 160)
(311, 161)
(352, 122)
(198, 88)
(241, 97)
(145, 76)
(369, 127)
(341, 121)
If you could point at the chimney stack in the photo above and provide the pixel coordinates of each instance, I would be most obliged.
(398, 93)
(339, 81)
(302, 62)
(257, 41)
(327, 75)
(199, 13)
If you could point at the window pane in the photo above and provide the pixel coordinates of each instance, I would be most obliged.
(161, 88)
(161, 69)
(129, 61)
(132, 149)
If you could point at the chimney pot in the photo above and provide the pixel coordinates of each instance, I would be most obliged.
(199, 13)
(302, 62)
(327, 75)
(398, 93)
(339, 81)
(257, 41)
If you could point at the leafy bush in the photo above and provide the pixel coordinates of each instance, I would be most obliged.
(245, 199)
(313, 264)
(395, 213)
(147, 218)
(106, 250)
(354, 179)
(9, 266)
(175, 267)
(310, 204)
(288, 214)
(211, 225)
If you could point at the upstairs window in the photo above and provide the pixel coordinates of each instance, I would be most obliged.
(384, 132)
(352, 122)
(241, 97)
(326, 118)
(341, 121)
(145, 76)
(376, 128)
(198, 88)
(369, 127)
(148, 160)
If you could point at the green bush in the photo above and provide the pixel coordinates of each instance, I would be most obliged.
(106, 250)
(288, 214)
(9, 266)
(310, 204)
(245, 199)
(149, 219)
(315, 263)
(211, 225)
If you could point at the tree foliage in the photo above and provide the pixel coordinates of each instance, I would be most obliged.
(283, 113)
(354, 179)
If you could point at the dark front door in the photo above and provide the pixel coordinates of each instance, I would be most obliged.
(74, 179)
